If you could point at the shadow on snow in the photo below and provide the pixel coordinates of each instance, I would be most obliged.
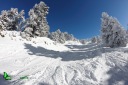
(3, 81)
(118, 74)
(43, 84)
(80, 54)
(83, 52)
(8, 82)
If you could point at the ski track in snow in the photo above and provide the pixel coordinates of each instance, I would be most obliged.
(106, 67)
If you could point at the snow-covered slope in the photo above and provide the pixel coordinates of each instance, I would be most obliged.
(48, 63)
(72, 43)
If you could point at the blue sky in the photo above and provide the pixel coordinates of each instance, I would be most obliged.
(78, 17)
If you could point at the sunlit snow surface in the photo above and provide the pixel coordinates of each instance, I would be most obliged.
(48, 63)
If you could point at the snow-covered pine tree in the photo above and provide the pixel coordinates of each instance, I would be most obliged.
(1, 29)
(61, 37)
(96, 39)
(1, 26)
(127, 35)
(11, 19)
(57, 36)
(37, 21)
(113, 34)
(83, 41)
(68, 36)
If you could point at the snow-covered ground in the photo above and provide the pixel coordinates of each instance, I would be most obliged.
(48, 63)
(72, 43)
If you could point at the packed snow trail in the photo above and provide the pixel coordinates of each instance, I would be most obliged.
(48, 63)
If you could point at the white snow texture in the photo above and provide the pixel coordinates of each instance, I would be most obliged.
(58, 58)
(48, 63)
